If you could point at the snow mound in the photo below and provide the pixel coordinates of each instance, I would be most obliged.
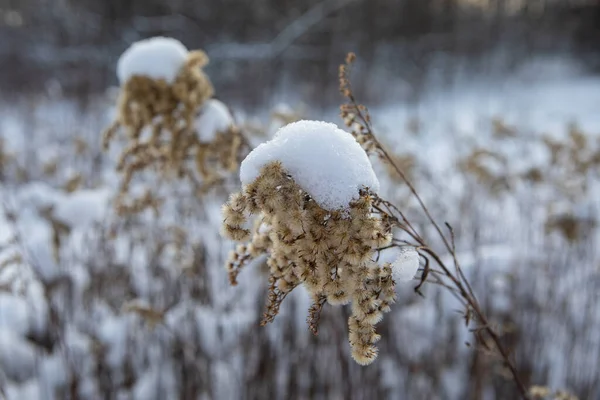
(214, 117)
(327, 162)
(406, 265)
(83, 207)
(157, 58)
(14, 314)
(17, 356)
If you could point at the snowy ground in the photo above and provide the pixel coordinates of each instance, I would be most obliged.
(141, 308)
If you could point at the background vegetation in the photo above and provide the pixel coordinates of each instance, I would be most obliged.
(491, 106)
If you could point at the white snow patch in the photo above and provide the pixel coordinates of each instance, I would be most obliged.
(28, 390)
(406, 265)
(214, 118)
(17, 356)
(113, 332)
(36, 195)
(52, 373)
(84, 207)
(324, 160)
(147, 385)
(157, 58)
(14, 313)
(264, 228)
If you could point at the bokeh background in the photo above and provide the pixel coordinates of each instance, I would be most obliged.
(491, 107)
(262, 48)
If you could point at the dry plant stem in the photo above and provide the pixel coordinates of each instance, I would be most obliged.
(484, 323)
(466, 292)
(461, 283)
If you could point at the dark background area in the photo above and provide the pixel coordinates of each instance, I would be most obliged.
(73, 45)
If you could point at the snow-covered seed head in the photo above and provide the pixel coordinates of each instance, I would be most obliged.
(162, 86)
(170, 122)
(316, 225)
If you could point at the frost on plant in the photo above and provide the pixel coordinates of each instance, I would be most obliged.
(311, 190)
(170, 122)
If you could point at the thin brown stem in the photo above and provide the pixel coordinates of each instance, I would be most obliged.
(474, 306)
(458, 280)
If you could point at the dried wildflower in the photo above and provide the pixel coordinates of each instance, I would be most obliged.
(145, 101)
(501, 130)
(150, 315)
(50, 168)
(171, 124)
(571, 227)
(126, 206)
(220, 154)
(73, 183)
(314, 314)
(310, 241)
(355, 116)
(573, 160)
(489, 168)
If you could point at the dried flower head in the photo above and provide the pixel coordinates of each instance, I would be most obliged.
(161, 105)
(162, 116)
(329, 251)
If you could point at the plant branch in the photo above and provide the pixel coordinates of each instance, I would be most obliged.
(459, 281)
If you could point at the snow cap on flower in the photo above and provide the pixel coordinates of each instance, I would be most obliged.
(316, 223)
(156, 58)
(214, 118)
(325, 161)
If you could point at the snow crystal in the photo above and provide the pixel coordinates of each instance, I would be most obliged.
(214, 117)
(327, 162)
(157, 58)
(405, 267)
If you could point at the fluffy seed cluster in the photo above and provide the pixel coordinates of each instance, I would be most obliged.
(158, 118)
(330, 252)
(148, 102)
(222, 153)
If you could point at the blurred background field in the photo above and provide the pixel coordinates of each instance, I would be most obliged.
(263, 48)
(491, 106)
